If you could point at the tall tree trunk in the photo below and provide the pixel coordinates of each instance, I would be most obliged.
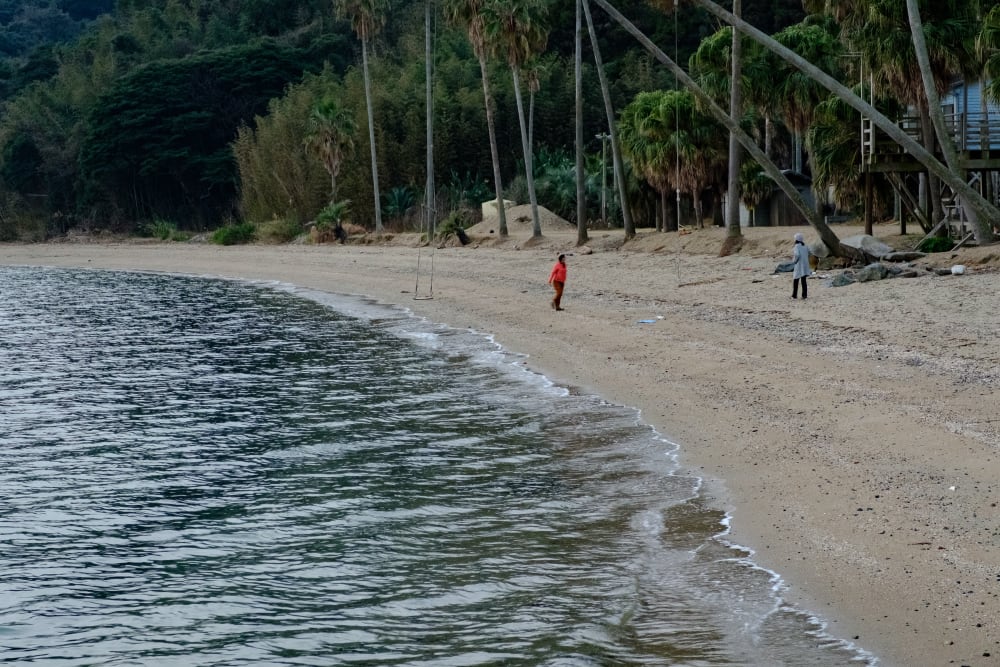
(581, 197)
(494, 151)
(526, 146)
(616, 151)
(531, 116)
(661, 225)
(936, 210)
(984, 210)
(985, 142)
(930, 89)
(430, 198)
(733, 230)
(944, 137)
(768, 135)
(825, 233)
(371, 136)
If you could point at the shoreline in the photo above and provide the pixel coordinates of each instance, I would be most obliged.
(852, 439)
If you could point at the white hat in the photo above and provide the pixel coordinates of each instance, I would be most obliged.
(799, 237)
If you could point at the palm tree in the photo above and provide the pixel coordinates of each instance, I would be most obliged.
(755, 187)
(331, 137)
(646, 139)
(893, 44)
(673, 143)
(581, 202)
(718, 65)
(983, 209)
(797, 93)
(469, 14)
(367, 19)
(515, 30)
(825, 233)
(832, 141)
(734, 232)
(616, 152)
(701, 145)
(988, 48)
(430, 198)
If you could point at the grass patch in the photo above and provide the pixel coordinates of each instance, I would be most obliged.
(236, 234)
(278, 231)
(935, 244)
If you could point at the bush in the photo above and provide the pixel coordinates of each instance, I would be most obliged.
(234, 234)
(159, 229)
(278, 231)
(936, 244)
(457, 220)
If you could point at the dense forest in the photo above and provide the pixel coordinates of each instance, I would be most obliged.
(189, 115)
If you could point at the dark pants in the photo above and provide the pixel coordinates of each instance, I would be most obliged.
(795, 288)
(557, 299)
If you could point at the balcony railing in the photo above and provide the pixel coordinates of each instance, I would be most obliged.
(971, 132)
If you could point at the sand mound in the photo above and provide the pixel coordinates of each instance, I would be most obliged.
(519, 222)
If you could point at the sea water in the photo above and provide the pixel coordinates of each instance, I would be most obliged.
(206, 472)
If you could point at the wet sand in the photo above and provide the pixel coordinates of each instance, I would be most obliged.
(853, 436)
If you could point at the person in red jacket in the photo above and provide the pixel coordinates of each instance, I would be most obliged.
(557, 278)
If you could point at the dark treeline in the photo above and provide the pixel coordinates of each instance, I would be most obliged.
(130, 114)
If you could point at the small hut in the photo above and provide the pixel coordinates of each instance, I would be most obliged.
(778, 210)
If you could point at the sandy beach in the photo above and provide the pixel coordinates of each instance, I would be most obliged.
(853, 437)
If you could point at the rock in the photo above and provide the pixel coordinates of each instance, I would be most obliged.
(875, 271)
(867, 244)
(908, 273)
(785, 267)
(585, 250)
(957, 270)
(819, 249)
(901, 256)
(842, 279)
(942, 272)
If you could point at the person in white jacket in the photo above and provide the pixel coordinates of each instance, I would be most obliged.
(800, 255)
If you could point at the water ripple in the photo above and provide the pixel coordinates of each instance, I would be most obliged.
(213, 473)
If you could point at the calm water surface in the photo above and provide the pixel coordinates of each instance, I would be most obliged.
(202, 472)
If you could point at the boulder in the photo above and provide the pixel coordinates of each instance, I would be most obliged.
(874, 271)
(842, 279)
(819, 249)
(867, 244)
(901, 256)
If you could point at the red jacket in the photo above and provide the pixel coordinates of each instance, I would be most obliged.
(558, 273)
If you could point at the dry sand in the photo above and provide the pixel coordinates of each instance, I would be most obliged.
(853, 437)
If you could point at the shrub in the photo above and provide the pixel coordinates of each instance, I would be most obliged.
(936, 244)
(234, 234)
(456, 223)
(278, 231)
(159, 229)
(398, 201)
(332, 214)
(456, 220)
